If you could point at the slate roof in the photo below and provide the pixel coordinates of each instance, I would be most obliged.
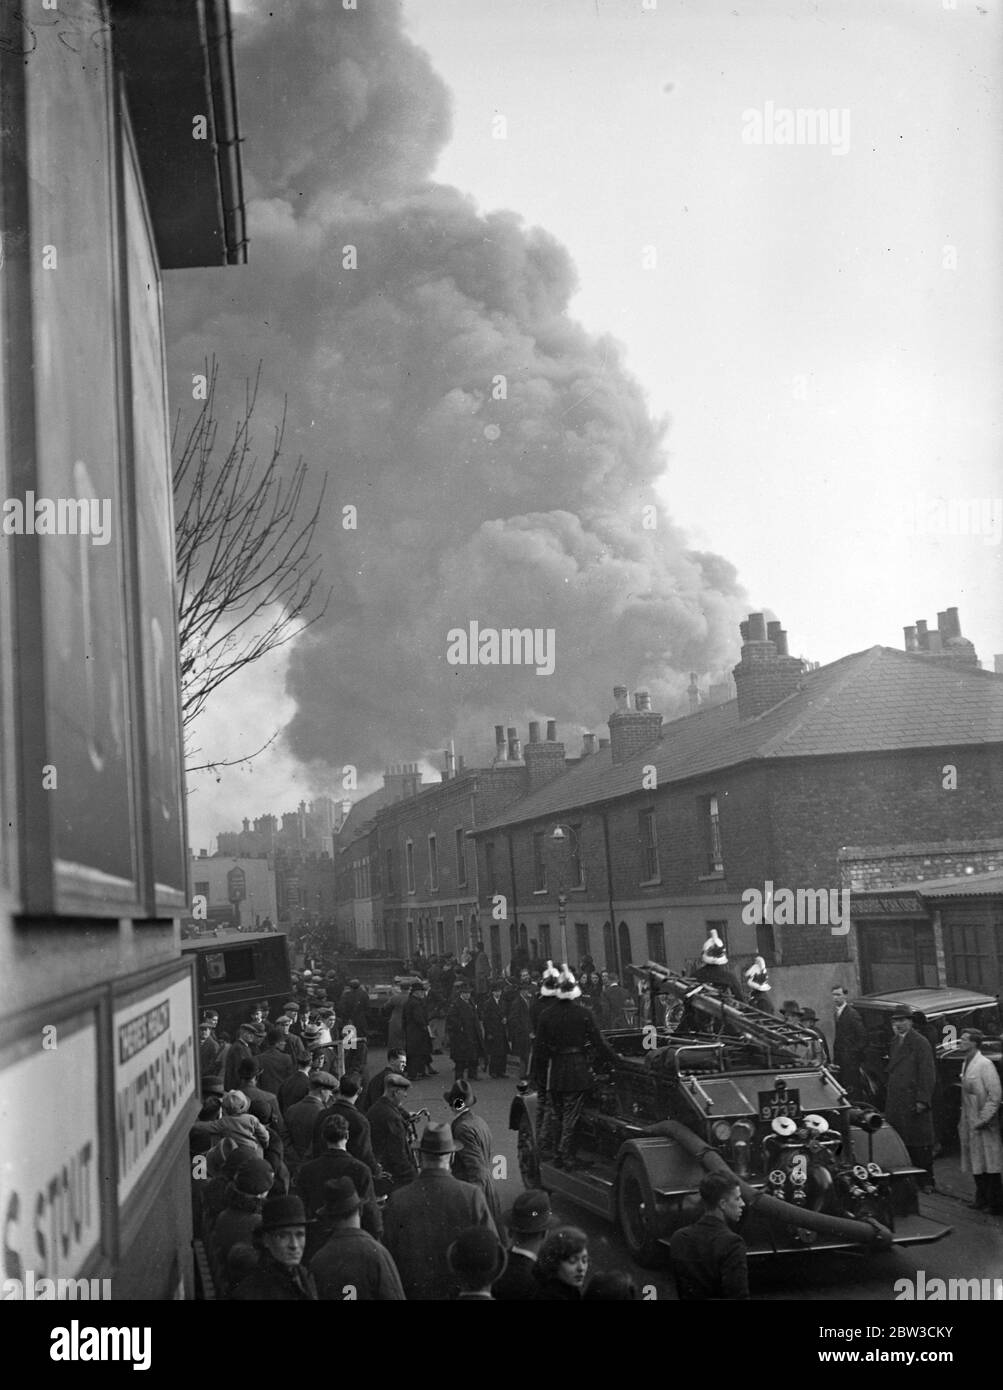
(875, 701)
(962, 886)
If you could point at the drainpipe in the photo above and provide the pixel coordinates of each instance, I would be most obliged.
(609, 889)
(515, 905)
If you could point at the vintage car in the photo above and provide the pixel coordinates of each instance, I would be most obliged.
(948, 1012)
(742, 1093)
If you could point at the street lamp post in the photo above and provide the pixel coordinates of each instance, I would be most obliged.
(560, 835)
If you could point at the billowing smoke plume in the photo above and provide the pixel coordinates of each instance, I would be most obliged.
(500, 458)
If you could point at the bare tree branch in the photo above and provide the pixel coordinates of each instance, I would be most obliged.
(247, 582)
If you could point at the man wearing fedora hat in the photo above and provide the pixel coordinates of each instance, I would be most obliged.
(280, 1241)
(910, 1080)
(472, 1162)
(423, 1219)
(529, 1221)
(351, 1264)
(476, 1258)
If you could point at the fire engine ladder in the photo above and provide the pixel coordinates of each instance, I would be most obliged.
(706, 999)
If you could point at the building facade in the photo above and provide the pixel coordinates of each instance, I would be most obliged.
(102, 185)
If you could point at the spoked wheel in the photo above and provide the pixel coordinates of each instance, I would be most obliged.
(529, 1162)
(636, 1215)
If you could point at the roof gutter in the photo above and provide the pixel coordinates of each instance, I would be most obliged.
(223, 85)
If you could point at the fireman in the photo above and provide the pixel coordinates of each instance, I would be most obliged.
(566, 1032)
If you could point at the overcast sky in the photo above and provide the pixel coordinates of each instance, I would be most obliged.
(820, 323)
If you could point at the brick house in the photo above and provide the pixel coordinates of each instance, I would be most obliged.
(664, 830)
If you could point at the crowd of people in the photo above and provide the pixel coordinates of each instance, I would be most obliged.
(311, 1179)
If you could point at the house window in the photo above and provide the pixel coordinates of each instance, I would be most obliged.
(545, 947)
(623, 937)
(609, 948)
(539, 861)
(489, 866)
(513, 940)
(461, 859)
(766, 943)
(712, 836)
(656, 943)
(202, 890)
(649, 845)
(971, 957)
(440, 937)
(576, 866)
(433, 864)
(460, 932)
(390, 873)
(582, 939)
(409, 865)
(410, 937)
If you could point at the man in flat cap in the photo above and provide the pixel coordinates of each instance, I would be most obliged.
(391, 1137)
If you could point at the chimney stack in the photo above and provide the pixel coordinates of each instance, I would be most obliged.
(544, 761)
(603, 743)
(632, 729)
(945, 642)
(589, 745)
(514, 746)
(449, 764)
(501, 747)
(766, 673)
(693, 691)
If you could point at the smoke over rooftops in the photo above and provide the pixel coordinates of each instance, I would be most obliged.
(516, 502)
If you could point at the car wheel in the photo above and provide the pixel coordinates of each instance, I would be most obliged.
(529, 1162)
(636, 1216)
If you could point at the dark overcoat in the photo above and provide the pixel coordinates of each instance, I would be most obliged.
(911, 1077)
(420, 1223)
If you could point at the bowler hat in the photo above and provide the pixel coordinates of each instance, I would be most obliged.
(477, 1256)
(459, 1095)
(437, 1139)
(340, 1198)
(282, 1211)
(255, 1177)
(530, 1214)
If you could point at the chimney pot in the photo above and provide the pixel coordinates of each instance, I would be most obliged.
(942, 623)
(534, 731)
(620, 696)
(589, 743)
(772, 631)
(757, 627)
(499, 734)
(953, 623)
(551, 730)
(642, 701)
(934, 642)
(781, 643)
(921, 635)
(911, 641)
(744, 630)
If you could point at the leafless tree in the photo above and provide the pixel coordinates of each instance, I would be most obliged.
(246, 579)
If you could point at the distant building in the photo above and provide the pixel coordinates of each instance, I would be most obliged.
(248, 885)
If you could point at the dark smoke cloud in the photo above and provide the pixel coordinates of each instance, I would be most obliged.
(523, 512)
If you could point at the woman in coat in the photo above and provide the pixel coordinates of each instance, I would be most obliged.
(978, 1128)
(472, 1160)
(562, 1266)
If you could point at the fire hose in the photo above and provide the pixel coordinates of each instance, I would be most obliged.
(866, 1232)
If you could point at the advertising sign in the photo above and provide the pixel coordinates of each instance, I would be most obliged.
(154, 1075)
(49, 1189)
